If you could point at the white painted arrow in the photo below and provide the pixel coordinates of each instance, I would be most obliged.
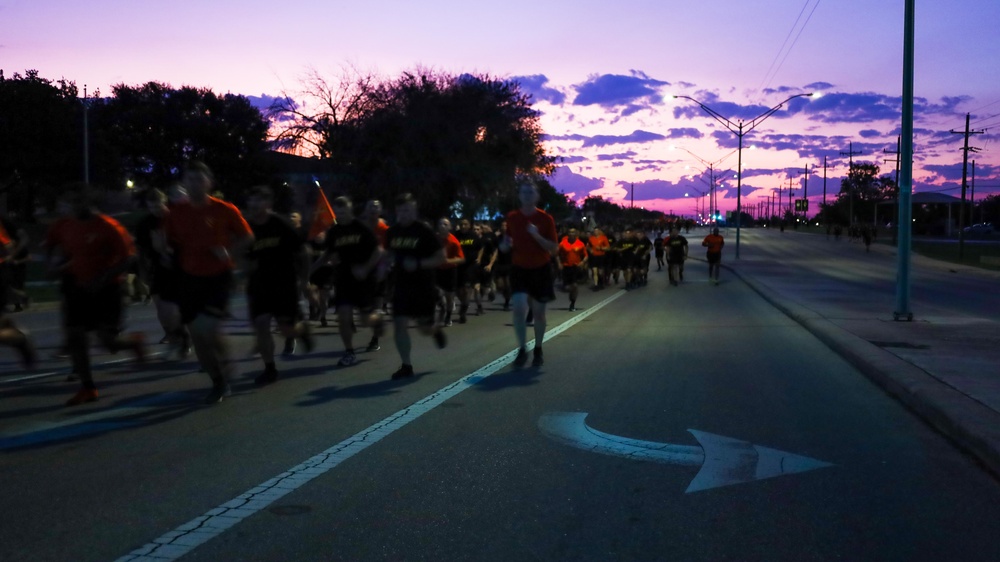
(723, 460)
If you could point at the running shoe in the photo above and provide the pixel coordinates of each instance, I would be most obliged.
(522, 358)
(479, 310)
(347, 360)
(138, 342)
(373, 345)
(218, 393)
(539, 359)
(289, 348)
(269, 376)
(403, 372)
(440, 339)
(572, 308)
(83, 396)
(29, 356)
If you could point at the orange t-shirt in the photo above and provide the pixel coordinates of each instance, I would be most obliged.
(599, 245)
(196, 231)
(91, 246)
(525, 251)
(4, 240)
(452, 249)
(714, 243)
(381, 232)
(571, 254)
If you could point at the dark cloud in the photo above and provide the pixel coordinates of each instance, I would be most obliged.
(572, 159)
(605, 140)
(566, 181)
(818, 86)
(684, 133)
(536, 86)
(626, 94)
(869, 133)
(268, 105)
(620, 156)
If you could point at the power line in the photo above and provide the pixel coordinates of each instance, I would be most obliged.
(769, 75)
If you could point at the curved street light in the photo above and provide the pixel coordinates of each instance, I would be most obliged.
(712, 197)
(741, 128)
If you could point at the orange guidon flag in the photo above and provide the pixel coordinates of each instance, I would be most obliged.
(323, 217)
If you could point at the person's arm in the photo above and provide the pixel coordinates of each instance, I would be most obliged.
(547, 244)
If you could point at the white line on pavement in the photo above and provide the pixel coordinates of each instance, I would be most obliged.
(214, 522)
(66, 372)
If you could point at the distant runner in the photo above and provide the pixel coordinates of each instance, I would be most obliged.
(714, 243)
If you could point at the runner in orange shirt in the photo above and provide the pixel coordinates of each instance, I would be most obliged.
(714, 243)
(597, 248)
(447, 272)
(10, 334)
(205, 233)
(96, 253)
(531, 240)
(573, 263)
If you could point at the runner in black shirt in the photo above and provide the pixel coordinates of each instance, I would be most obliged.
(677, 251)
(353, 250)
(471, 240)
(278, 266)
(417, 253)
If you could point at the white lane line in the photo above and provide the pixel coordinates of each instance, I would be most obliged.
(214, 522)
(66, 371)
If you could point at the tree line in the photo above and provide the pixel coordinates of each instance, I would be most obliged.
(458, 142)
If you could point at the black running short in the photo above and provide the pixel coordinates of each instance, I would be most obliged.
(281, 303)
(447, 279)
(713, 257)
(537, 282)
(414, 299)
(93, 310)
(572, 275)
(349, 291)
(204, 295)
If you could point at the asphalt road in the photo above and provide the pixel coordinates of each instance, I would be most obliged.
(371, 469)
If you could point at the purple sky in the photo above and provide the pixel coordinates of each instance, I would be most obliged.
(602, 73)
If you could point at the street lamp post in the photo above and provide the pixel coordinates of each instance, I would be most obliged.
(741, 128)
(712, 197)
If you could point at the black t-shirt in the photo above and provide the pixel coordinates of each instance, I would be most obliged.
(353, 243)
(275, 252)
(658, 245)
(676, 246)
(642, 246)
(471, 244)
(626, 248)
(415, 240)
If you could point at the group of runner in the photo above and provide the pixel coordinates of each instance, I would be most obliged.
(188, 246)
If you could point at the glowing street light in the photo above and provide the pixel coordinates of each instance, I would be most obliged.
(741, 128)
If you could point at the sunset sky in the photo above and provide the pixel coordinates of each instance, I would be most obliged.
(602, 73)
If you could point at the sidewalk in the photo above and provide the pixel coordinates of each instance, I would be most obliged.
(944, 365)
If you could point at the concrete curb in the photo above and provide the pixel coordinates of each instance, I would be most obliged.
(965, 421)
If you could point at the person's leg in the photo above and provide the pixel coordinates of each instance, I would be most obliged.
(520, 318)
(77, 345)
(401, 336)
(265, 342)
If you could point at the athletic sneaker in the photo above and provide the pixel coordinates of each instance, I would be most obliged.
(479, 310)
(403, 372)
(27, 350)
(82, 396)
(538, 360)
(218, 393)
(138, 342)
(289, 349)
(522, 357)
(347, 360)
(572, 308)
(439, 338)
(269, 376)
(373, 345)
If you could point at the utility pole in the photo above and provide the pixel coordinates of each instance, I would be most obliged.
(965, 165)
(972, 197)
(632, 191)
(896, 161)
(850, 194)
(824, 189)
(805, 192)
(86, 139)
